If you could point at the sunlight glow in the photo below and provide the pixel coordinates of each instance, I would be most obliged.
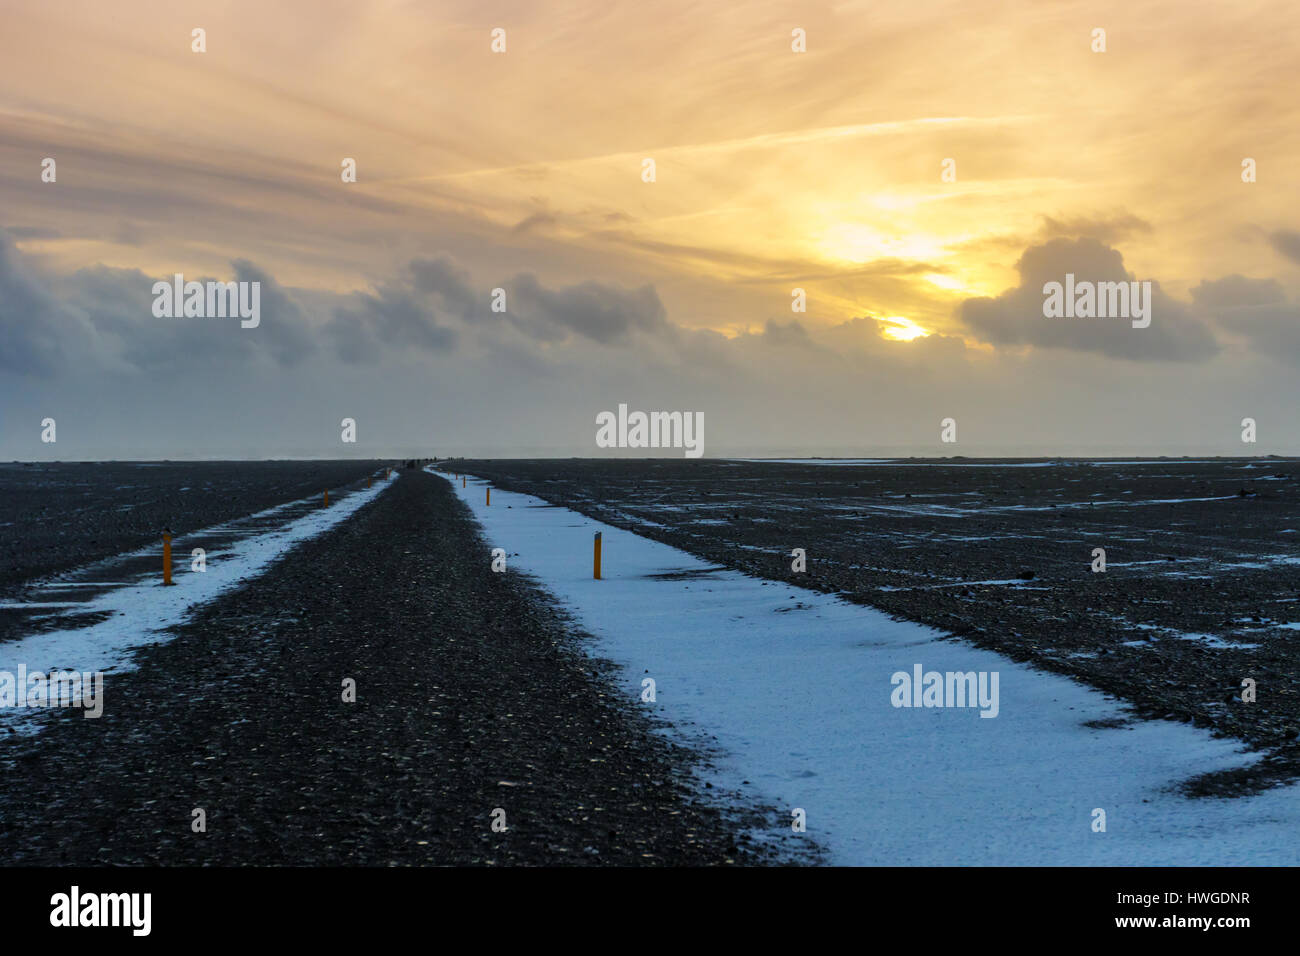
(904, 330)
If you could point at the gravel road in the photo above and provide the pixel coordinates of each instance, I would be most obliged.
(472, 695)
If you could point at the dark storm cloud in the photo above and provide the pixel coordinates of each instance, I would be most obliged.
(774, 334)
(783, 334)
(31, 320)
(101, 319)
(395, 317)
(1016, 316)
(287, 334)
(1286, 243)
(1258, 311)
(452, 284)
(118, 307)
(594, 310)
(1236, 290)
(1273, 331)
(407, 312)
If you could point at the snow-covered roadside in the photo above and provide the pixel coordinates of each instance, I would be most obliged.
(142, 611)
(794, 687)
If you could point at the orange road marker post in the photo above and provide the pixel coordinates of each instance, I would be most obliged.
(595, 558)
(167, 558)
(462, 481)
(327, 497)
(369, 478)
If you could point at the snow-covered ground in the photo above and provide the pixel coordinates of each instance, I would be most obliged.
(142, 611)
(793, 687)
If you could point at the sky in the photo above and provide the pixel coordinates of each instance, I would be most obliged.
(919, 170)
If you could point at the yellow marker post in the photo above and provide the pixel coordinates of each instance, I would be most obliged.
(595, 560)
(489, 496)
(369, 478)
(462, 481)
(167, 558)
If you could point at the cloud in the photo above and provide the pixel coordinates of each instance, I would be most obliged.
(600, 312)
(1016, 316)
(1273, 331)
(287, 334)
(122, 331)
(394, 317)
(32, 232)
(30, 318)
(443, 278)
(1258, 311)
(784, 334)
(101, 319)
(537, 221)
(1236, 290)
(603, 313)
(1103, 228)
(1287, 243)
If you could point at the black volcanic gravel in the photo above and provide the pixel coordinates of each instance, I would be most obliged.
(1203, 564)
(60, 515)
(472, 694)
